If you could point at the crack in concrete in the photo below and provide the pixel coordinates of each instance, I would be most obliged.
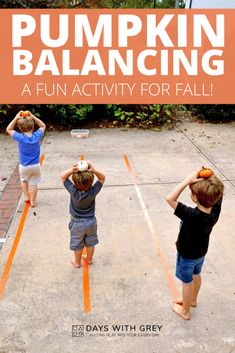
(204, 154)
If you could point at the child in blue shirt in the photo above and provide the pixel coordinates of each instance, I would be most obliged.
(29, 152)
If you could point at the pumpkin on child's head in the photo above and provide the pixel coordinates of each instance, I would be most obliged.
(82, 166)
(205, 173)
(25, 114)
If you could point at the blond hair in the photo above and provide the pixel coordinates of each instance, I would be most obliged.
(208, 191)
(83, 180)
(25, 123)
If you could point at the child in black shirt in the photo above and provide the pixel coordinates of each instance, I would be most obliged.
(193, 239)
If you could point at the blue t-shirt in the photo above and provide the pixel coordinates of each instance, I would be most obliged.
(82, 203)
(29, 147)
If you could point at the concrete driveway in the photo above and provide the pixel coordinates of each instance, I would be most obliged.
(122, 303)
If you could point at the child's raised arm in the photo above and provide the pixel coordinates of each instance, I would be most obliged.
(39, 122)
(10, 128)
(67, 173)
(100, 176)
(172, 198)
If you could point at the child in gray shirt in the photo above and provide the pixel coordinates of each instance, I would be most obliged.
(83, 225)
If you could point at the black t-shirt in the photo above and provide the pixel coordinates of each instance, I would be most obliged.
(194, 234)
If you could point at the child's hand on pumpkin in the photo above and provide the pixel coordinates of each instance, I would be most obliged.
(193, 177)
(18, 116)
(90, 168)
(75, 167)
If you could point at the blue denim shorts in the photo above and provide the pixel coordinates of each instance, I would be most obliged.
(186, 268)
(83, 232)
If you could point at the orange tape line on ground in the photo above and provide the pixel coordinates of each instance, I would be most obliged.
(160, 253)
(42, 157)
(86, 285)
(11, 255)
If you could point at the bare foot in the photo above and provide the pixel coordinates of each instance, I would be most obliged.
(75, 264)
(180, 311)
(89, 262)
(180, 302)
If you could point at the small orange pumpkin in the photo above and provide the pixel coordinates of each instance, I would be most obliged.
(25, 113)
(205, 173)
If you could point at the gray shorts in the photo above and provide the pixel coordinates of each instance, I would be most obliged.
(30, 173)
(83, 232)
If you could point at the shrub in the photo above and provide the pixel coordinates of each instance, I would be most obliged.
(144, 116)
(63, 115)
(66, 114)
(215, 112)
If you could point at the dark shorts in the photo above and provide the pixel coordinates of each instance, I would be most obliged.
(83, 232)
(186, 268)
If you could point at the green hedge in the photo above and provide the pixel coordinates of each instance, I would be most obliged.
(90, 4)
(63, 115)
(72, 116)
(67, 116)
(215, 112)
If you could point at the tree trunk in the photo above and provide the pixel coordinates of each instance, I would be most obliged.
(177, 4)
